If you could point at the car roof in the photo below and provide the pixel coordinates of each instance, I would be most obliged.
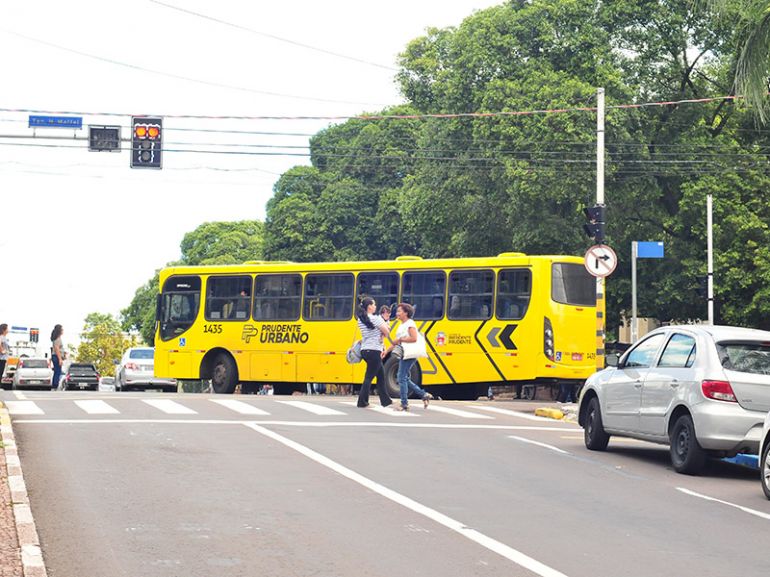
(723, 332)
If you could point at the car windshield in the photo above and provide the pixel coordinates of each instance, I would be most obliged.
(141, 354)
(35, 364)
(745, 357)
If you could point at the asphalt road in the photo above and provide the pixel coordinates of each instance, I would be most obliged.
(148, 490)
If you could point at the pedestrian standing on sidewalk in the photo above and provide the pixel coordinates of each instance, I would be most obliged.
(407, 333)
(373, 329)
(57, 355)
(5, 349)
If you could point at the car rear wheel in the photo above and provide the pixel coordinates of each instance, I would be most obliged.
(765, 469)
(687, 456)
(224, 374)
(594, 435)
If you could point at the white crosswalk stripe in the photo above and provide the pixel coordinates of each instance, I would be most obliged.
(457, 412)
(23, 408)
(170, 407)
(511, 413)
(95, 407)
(384, 410)
(239, 407)
(312, 408)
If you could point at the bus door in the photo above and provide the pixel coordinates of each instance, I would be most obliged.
(177, 310)
(514, 337)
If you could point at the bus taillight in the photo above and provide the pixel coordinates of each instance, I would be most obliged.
(548, 339)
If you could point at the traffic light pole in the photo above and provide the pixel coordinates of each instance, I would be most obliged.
(600, 301)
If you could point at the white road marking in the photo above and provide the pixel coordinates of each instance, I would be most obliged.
(456, 412)
(20, 395)
(170, 407)
(715, 500)
(389, 410)
(97, 408)
(312, 408)
(531, 442)
(501, 549)
(511, 413)
(239, 407)
(23, 408)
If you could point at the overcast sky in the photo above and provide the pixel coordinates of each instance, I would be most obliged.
(81, 230)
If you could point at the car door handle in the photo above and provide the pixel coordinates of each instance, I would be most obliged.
(638, 384)
(674, 384)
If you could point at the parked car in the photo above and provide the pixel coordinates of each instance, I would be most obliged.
(764, 457)
(136, 370)
(32, 372)
(81, 376)
(703, 390)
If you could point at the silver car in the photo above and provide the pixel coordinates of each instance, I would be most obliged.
(33, 373)
(702, 390)
(136, 370)
(764, 457)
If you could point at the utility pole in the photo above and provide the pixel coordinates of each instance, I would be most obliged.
(600, 300)
(710, 257)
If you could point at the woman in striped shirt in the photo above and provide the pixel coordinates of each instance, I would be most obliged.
(373, 330)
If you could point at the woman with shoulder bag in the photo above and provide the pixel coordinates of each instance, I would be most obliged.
(407, 333)
(373, 330)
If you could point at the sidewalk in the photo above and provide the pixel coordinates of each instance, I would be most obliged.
(10, 552)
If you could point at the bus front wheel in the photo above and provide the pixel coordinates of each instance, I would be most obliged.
(391, 377)
(224, 374)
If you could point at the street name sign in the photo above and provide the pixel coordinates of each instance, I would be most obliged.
(36, 121)
(600, 260)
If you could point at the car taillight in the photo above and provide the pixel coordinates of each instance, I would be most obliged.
(718, 390)
(132, 366)
(21, 364)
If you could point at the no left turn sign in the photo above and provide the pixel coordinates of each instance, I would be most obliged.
(601, 260)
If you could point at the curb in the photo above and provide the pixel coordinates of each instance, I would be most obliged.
(31, 554)
(549, 413)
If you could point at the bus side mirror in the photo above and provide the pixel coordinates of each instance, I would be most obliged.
(157, 307)
(612, 360)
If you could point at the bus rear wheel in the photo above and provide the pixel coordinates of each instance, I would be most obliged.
(224, 374)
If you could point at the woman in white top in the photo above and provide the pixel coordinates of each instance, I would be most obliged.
(373, 330)
(407, 333)
(5, 350)
(57, 355)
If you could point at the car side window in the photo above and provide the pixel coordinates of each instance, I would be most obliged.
(643, 354)
(679, 352)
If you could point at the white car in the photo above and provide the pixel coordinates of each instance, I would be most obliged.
(764, 457)
(33, 373)
(702, 390)
(136, 370)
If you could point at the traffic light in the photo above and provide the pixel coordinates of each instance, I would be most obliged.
(34, 335)
(146, 141)
(595, 226)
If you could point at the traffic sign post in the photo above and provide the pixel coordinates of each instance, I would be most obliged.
(640, 250)
(601, 260)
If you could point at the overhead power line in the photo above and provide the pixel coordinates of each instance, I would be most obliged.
(273, 36)
(186, 78)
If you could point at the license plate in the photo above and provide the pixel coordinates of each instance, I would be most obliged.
(577, 356)
(82, 385)
(35, 382)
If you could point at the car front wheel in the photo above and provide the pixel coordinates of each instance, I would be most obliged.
(687, 456)
(765, 470)
(594, 435)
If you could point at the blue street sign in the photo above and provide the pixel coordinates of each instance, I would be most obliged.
(55, 122)
(653, 249)
(15, 329)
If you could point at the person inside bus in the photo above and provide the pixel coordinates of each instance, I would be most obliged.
(407, 333)
(373, 329)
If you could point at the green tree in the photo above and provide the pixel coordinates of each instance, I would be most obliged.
(139, 316)
(223, 243)
(102, 342)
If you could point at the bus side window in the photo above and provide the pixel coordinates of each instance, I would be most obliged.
(514, 289)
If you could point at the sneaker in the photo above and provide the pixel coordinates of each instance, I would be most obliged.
(427, 399)
(363, 406)
(401, 408)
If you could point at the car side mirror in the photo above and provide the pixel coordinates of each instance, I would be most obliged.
(612, 360)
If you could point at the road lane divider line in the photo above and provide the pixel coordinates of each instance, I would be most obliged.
(31, 556)
(434, 408)
(23, 408)
(511, 413)
(458, 527)
(239, 407)
(93, 407)
(754, 512)
(170, 407)
(312, 408)
(539, 444)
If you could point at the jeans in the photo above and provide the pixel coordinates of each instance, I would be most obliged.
(373, 369)
(56, 373)
(405, 384)
(566, 393)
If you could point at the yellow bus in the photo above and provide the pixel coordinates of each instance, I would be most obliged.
(509, 319)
